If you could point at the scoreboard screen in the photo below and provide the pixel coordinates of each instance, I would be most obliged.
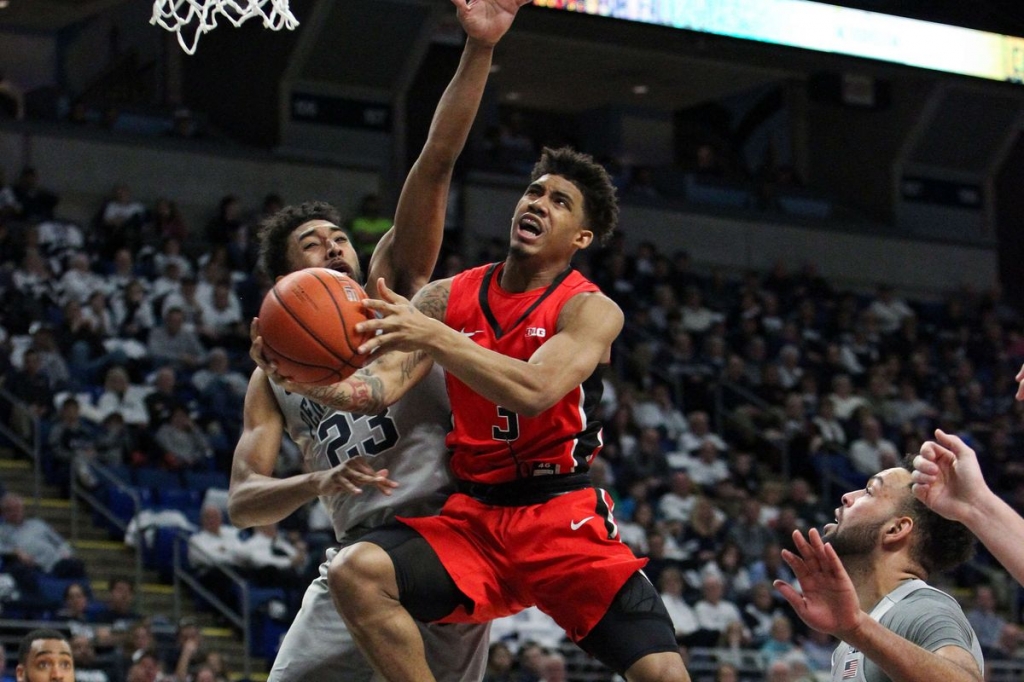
(827, 28)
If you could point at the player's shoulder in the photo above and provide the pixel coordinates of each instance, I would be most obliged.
(592, 307)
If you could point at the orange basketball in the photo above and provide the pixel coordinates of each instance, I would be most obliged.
(308, 322)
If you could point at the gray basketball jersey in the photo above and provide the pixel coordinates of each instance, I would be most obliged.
(407, 439)
(919, 613)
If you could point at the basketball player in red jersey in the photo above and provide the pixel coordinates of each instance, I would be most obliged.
(521, 343)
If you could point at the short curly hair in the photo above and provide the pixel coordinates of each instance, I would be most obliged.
(941, 544)
(275, 231)
(600, 205)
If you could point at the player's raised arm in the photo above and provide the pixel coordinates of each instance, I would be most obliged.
(948, 479)
(586, 328)
(407, 253)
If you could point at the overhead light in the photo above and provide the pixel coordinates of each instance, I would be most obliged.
(495, 68)
(4, 4)
(640, 89)
(512, 96)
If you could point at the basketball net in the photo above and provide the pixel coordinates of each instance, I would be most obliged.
(196, 17)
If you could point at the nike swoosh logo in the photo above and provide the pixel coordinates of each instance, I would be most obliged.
(465, 333)
(576, 525)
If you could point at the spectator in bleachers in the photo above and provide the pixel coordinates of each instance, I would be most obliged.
(271, 560)
(988, 625)
(77, 612)
(780, 640)
(181, 443)
(116, 443)
(770, 566)
(499, 664)
(222, 319)
(888, 309)
(529, 660)
(170, 252)
(123, 271)
(677, 504)
(646, 463)
(691, 442)
(34, 282)
(167, 222)
(72, 443)
(635, 530)
(34, 542)
(696, 318)
(368, 225)
(659, 411)
(221, 228)
(169, 282)
(553, 668)
(221, 388)
(684, 619)
(187, 300)
(714, 612)
(79, 282)
(121, 396)
(133, 312)
(749, 534)
(817, 648)
(170, 343)
(760, 609)
(32, 387)
(100, 317)
(727, 672)
(165, 396)
(828, 428)
(844, 401)
(119, 222)
(1007, 646)
(188, 651)
(214, 546)
(146, 668)
(872, 451)
(706, 467)
(119, 609)
(704, 532)
(36, 202)
(728, 566)
(88, 666)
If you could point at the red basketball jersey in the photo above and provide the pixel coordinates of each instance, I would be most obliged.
(491, 444)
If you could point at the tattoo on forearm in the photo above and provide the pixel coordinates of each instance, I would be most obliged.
(432, 300)
(410, 363)
(362, 393)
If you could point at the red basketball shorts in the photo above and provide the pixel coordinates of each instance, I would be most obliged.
(563, 555)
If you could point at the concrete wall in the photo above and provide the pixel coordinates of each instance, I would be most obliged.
(83, 169)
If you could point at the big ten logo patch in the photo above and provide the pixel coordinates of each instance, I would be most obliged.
(539, 332)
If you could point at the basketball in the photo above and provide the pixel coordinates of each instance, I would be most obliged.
(308, 321)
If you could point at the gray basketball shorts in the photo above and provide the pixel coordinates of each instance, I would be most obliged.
(319, 648)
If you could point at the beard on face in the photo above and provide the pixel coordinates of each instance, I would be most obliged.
(854, 540)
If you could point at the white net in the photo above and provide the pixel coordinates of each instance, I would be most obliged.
(190, 19)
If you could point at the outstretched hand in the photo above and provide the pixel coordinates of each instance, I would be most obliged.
(352, 475)
(828, 602)
(947, 477)
(1020, 383)
(487, 20)
(400, 327)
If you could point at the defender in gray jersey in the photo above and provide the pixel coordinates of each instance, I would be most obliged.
(367, 469)
(863, 581)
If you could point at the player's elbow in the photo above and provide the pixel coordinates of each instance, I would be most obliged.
(240, 514)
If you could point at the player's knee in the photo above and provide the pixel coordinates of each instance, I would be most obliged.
(358, 572)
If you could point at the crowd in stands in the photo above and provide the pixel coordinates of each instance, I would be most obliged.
(739, 408)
